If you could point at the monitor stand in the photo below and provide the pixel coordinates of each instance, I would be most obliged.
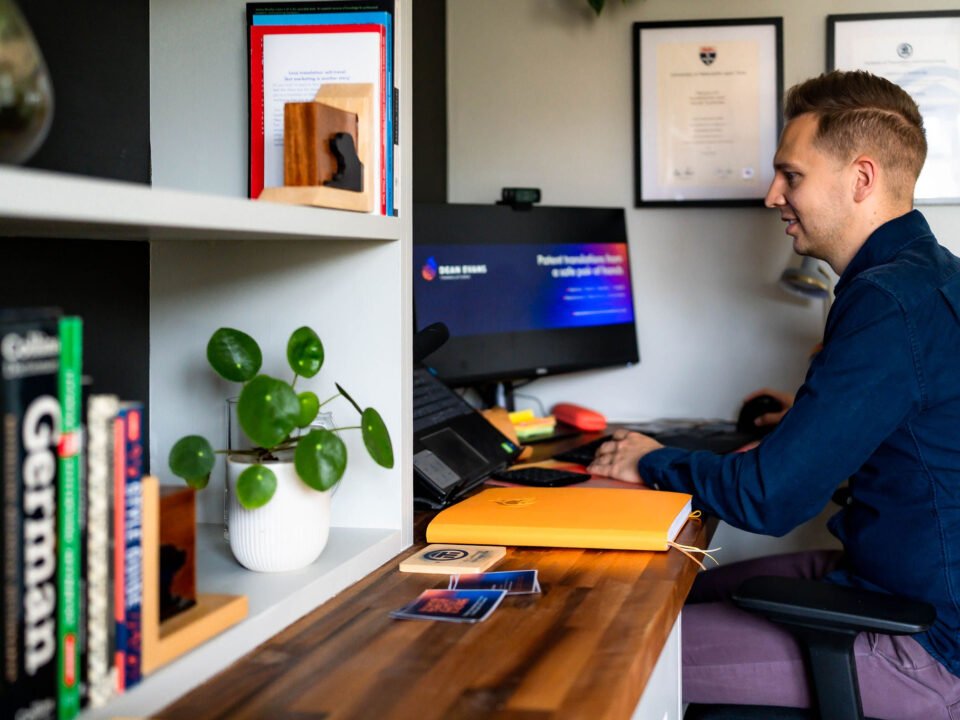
(497, 395)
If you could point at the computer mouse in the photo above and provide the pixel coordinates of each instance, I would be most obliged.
(754, 408)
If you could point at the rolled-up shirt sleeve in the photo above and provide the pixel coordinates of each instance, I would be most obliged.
(859, 389)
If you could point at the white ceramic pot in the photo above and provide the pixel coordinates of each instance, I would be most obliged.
(289, 532)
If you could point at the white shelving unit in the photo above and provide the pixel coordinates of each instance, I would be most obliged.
(218, 259)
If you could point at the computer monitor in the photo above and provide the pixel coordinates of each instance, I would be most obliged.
(524, 292)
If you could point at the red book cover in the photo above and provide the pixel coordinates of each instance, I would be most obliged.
(258, 120)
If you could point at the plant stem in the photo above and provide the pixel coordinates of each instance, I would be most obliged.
(329, 399)
(347, 396)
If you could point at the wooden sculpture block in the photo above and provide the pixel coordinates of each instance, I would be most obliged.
(352, 98)
(209, 616)
(308, 130)
(178, 547)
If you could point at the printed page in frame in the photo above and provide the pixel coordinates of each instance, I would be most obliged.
(709, 102)
(707, 110)
(921, 55)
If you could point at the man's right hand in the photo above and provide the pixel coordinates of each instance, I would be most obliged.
(771, 418)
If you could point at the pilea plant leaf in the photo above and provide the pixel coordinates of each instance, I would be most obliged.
(309, 407)
(376, 438)
(234, 355)
(268, 410)
(255, 486)
(192, 459)
(305, 352)
(320, 459)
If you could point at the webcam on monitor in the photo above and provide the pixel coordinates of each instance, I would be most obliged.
(519, 198)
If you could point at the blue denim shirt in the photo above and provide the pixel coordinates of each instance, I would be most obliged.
(880, 406)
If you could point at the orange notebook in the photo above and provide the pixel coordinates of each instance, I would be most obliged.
(607, 518)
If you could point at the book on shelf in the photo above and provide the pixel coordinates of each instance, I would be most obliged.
(101, 671)
(118, 478)
(131, 415)
(69, 493)
(592, 517)
(379, 12)
(295, 48)
(29, 362)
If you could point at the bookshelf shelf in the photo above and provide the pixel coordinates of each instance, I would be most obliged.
(203, 256)
(47, 204)
(350, 554)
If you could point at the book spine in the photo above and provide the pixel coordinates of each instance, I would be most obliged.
(133, 545)
(395, 166)
(100, 668)
(119, 463)
(68, 516)
(29, 356)
(384, 124)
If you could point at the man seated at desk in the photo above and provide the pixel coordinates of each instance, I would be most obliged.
(880, 406)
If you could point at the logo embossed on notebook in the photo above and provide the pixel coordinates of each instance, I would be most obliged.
(516, 502)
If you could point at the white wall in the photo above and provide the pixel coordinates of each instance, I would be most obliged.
(540, 95)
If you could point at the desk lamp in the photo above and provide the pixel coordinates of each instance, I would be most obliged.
(809, 280)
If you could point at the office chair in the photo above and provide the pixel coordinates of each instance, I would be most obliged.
(825, 619)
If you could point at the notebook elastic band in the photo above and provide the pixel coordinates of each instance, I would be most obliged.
(689, 551)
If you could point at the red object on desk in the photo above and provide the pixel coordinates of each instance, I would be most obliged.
(579, 417)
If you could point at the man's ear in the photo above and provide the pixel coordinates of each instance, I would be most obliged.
(865, 177)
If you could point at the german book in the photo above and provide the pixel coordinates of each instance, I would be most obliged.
(29, 359)
(101, 673)
(132, 414)
(68, 517)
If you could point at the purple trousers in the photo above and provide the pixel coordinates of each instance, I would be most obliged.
(732, 656)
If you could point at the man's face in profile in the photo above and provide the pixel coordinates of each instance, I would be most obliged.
(811, 189)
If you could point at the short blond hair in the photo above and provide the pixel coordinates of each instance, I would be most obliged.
(859, 112)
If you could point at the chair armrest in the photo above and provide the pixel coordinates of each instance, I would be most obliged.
(813, 603)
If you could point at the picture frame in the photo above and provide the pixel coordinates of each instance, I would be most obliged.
(707, 110)
(920, 51)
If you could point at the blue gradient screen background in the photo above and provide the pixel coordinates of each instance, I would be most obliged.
(499, 288)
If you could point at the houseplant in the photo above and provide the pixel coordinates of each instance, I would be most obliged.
(290, 461)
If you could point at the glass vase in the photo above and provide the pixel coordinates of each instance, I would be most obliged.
(26, 96)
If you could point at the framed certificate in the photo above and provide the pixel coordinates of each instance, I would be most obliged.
(707, 113)
(920, 51)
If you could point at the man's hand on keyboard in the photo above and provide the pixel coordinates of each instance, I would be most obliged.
(617, 458)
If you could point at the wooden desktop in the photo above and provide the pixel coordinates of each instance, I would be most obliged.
(600, 641)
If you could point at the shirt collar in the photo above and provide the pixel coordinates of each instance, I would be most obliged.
(883, 244)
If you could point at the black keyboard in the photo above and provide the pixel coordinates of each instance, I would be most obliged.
(541, 476)
(582, 454)
(715, 437)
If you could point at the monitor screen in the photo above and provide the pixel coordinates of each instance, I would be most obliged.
(524, 293)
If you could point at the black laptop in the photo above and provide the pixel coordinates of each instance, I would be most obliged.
(454, 447)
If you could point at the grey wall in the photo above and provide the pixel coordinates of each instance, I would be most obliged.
(540, 94)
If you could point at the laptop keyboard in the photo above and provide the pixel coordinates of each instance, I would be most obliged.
(434, 402)
(541, 476)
